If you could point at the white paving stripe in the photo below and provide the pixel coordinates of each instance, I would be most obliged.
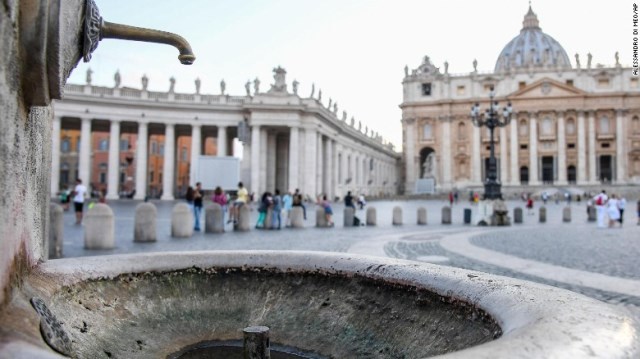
(460, 244)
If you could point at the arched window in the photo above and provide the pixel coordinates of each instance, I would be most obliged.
(571, 126)
(522, 128)
(427, 132)
(103, 145)
(547, 127)
(604, 125)
(462, 131)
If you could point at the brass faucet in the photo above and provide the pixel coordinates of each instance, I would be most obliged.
(97, 29)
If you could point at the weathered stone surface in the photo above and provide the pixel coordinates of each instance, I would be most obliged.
(566, 214)
(213, 218)
(145, 227)
(56, 231)
(99, 227)
(517, 215)
(397, 216)
(244, 219)
(446, 215)
(422, 216)
(182, 221)
(297, 217)
(349, 214)
(372, 218)
(542, 214)
(321, 220)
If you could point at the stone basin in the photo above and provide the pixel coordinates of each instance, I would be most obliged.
(320, 305)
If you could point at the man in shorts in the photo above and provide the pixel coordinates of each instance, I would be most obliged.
(79, 192)
(243, 198)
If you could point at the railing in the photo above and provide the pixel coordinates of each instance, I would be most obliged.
(102, 91)
(185, 97)
(126, 92)
(74, 88)
(158, 95)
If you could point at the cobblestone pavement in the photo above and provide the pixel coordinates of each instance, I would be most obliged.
(577, 245)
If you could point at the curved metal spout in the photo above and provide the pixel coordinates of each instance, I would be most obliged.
(111, 30)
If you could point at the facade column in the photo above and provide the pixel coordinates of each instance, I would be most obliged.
(534, 176)
(264, 142)
(294, 142)
(410, 148)
(168, 167)
(329, 160)
(310, 138)
(562, 151)
(196, 151)
(255, 159)
(222, 141)
(55, 155)
(621, 176)
(271, 161)
(582, 151)
(592, 148)
(84, 165)
(321, 172)
(446, 153)
(141, 160)
(476, 169)
(114, 160)
(515, 151)
(504, 163)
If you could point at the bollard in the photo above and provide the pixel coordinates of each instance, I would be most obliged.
(99, 228)
(422, 216)
(566, 214)
(297, 217)
(244, 219)
(372, 218)
(517, 215)
(543, 214)
(213, 218)
(182, 221)
(144, 229)
(397, 216)
(467, 216)
(446, 215)
(256, 343)
(321, 220)
(591, 213)
(56, 226)
(349, 214)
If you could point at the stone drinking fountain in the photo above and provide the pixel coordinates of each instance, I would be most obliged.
(252, 304)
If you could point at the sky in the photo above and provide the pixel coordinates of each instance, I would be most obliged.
(354, 50)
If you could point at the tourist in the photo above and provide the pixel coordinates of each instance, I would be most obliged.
(622, 203)
(361, 201)
(65, 198)
(600, 200)
(266, 201)
(612, 210)
(455, 196)
(530, 205)
(197, 206)
(298, 201)
(79, 194)
(189, 196)
(545, 197)
(287, 201)
(241, 200)
(451, 199)
(276, 210)
(220, 198)
(328, 212)
(348, 200)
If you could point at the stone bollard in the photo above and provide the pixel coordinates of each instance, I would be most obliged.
(517, 215)
(99, 228)
(372, 218)
(349, 213)
(213, 218)
(566, 214)
(144, 229)
(182, 221)
(422, 216)
(397, 216)
(297, 217)
(446, 215)
(543, 214)
(56, 226)
(591, 213)
(256, 343)
(321, 220)
(268, 219)
(244, 219)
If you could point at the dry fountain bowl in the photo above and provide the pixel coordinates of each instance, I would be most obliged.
(317, 305)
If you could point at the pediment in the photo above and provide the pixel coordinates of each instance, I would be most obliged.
(547, 88)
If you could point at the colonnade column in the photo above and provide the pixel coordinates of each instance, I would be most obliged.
(504, 163)
(294, 142)
(264, 144)
(329, 160)
(582, 150)
(114, 160)
(141, 160)
(592, 148)
(196, 150)
(310, 137)
(84, 169)
(270, 162)
(562, 151)
(255, 159)
(168, 167)
(222, 141)
(320, 187)
(533, 150)
(446, 153)
(476, 170)
(410, 158)
(620, 148)
(55, 155)
(515, 151)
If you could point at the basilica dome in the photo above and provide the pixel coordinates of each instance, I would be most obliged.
(532, 47)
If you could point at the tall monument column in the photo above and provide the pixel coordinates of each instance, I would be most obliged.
(562, 151)
(84, 164)
(222, 141)
(114, 160)
(168, 168)
(533, 150)
(294, 158)
(620, 148)
(592, 148)
(141, 160)
(515, 150)
(196, 151)
(55, 155)
(582, 150)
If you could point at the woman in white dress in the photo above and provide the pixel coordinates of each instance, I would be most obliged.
(612, 210)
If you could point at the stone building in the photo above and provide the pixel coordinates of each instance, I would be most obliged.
(576, 125)
(288, 141)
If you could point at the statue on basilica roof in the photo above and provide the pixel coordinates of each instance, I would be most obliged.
(89, 72)
(116, 78)
(589, 58)
(223, 86)
(145, 82)
(198, 83)
(295, 86)
(617, 56)
(172, 84)
(280, 85)
(313, 90)
(256, 86)
(406, 70)
(577, 61)
(475, 65)
(247, 88)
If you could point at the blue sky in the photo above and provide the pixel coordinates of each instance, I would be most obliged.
(354, 50)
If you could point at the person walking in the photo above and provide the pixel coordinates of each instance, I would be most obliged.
(276, 210)
(622, 203)
(600, 200)
(197, 206)
(265, 202)
(530, 205)
(328, 211)
(79, 194)
(241, 200)
(450, 199)
(287, 201)
(612, 211)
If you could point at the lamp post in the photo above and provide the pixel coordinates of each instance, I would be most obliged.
(491, 118)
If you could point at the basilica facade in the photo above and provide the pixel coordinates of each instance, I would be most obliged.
(572, 124)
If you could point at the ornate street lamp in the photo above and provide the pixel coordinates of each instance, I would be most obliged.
(492, 119)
